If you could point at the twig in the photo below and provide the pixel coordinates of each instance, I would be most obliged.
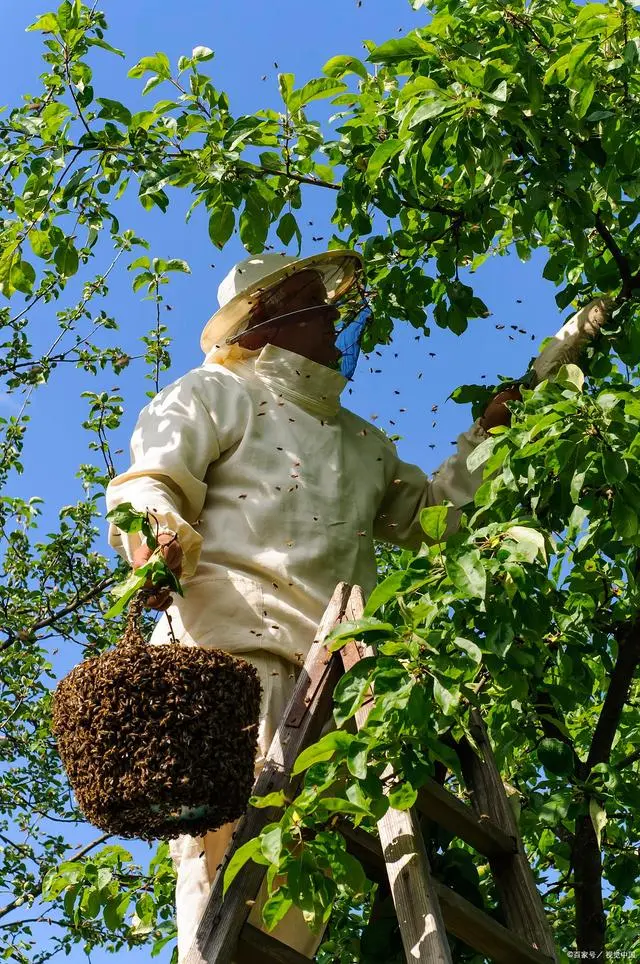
(17, 902)
(65, 611)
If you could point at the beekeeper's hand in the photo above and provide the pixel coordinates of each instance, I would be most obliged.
(496, 412)
(570, 340)
(160, 598)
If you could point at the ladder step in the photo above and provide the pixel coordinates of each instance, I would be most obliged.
(449, 812)
(461, 917)
(483, 933)
(254, 945)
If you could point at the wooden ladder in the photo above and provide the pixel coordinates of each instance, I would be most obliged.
(426, 910)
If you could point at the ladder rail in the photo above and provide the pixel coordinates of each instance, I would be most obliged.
(519, 897)
(412, 887)
(222, 920)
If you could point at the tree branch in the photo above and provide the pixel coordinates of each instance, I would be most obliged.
(617, 694)
(622, 262)
(628, 760)
(71, 607)
(18, 901)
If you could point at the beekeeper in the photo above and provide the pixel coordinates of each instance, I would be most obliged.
(268, 492)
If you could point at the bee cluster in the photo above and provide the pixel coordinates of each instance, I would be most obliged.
(158, 741)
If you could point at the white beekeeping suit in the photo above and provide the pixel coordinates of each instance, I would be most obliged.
(276, 493)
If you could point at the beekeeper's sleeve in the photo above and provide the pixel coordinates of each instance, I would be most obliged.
(174, 441)
(411, 490)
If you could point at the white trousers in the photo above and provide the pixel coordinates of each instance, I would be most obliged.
(197, 860)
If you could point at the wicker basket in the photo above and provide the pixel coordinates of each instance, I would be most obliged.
(158, 740)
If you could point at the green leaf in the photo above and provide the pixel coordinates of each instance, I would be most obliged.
(221, 224)
(47, 23)
(285, 86)
(580, 99)
(531, 544)
(141, 262)
(158, 64)
(255, 220)
(315, 89)
(347, 871)
(324, 749)
(624, 517)
(275, 799)
(572, 376)
(383, 592)
(351, 689)
(616, 468)
(114, 110)
(432, 107)
(467, 574)
(41, 243)
(99, 42)
(556, 757)
(124, 592)
(598, 818)
(66, 258)
(143, 121)
(357, 759)
(287, 228)
(114, 911)
(393, 51)
(248, 851)
(472, 650)
(338, 805)
(145, 278)
(275, 908)
(341, 65)
(177, 264)
(21, 277)
(446, 699)
(434, 521)
(623, 872)
(403, 797)
(345, 631)
(577, 483)
(126, 518)
(500, 93)
(481, 453)
(202, 53)
(380, 157)
(271, 845)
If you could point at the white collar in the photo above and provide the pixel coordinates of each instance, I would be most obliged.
(310, 385)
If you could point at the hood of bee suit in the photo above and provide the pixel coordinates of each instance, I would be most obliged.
(308, 384)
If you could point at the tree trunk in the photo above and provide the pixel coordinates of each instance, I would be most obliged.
(590, 919)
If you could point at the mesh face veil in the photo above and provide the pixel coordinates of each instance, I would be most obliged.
(273, 308)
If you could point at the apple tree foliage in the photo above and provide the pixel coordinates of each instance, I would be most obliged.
(494, 126)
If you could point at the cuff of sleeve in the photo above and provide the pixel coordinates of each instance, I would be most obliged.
(126, 543)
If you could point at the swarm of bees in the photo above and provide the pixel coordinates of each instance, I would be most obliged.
(158, 740)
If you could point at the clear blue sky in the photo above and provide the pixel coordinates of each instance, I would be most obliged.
(248, 37)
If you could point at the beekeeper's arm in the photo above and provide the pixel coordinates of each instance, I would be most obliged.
(177, 436)
(411, 491)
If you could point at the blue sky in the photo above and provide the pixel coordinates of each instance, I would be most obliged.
(248, 37)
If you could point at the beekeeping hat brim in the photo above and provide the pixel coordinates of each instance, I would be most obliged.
(241, 288)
